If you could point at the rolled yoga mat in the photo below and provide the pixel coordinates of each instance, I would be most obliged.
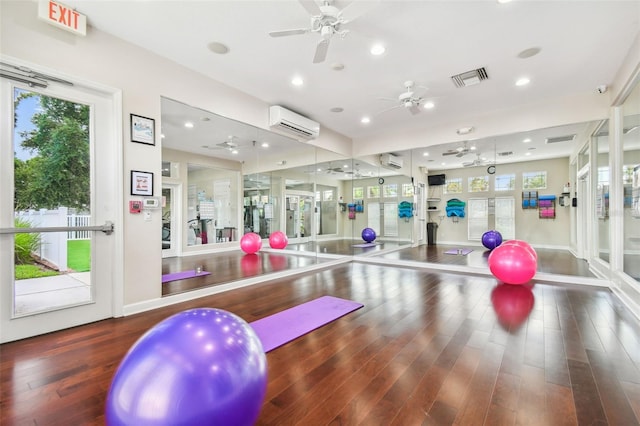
(182, 275)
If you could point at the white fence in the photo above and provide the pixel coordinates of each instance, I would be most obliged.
(53, 245)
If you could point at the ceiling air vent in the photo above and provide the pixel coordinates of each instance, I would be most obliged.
(505, 153)
(470, 78)
(559, 139)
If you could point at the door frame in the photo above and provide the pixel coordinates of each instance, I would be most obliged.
(108, 134)
(176, 220)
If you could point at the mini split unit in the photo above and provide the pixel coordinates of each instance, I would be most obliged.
(391, 161)
(292, 123)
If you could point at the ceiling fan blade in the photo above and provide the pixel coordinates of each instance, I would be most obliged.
(389, 109)
(414, 109)
(288, 32)
(311, 6)
(450, 153)
(321, 51)
(355, 9)
(388, 99)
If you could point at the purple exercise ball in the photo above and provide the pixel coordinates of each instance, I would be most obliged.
(200, 366)
(369, 235)
(491, 239)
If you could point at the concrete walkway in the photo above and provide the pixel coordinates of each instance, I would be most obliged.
(47, 293)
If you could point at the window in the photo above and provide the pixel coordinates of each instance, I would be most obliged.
(373, 191)
(603, 175)
(534, 180)
(453, 186)
(390, 190)
(505, 182)
(328, 195)
(407, 190)
(358, 193)
(479, 184)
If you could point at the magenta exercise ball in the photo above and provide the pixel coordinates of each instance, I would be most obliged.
(250, 243)
(524, 244)
(491, 239)
(369, 235)
(512, 264)
(201, 366)
(278, 240)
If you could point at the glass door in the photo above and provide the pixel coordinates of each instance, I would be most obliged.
(170, 229)
(299, 216)
(57, 209)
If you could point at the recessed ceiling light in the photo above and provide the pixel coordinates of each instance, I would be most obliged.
(472, 148)
(526, 140)
(188, 125)
(319, 169)
(377, 49)
(336, 109)
(503, 1)
(429, 105)
(234, 151)
(218, 48)
(464, 130)
(265, 145)
(527, 53)
(523, 81)
(365, 120)
(425, 154)
(443, 163)
(297, 81)
(527, 153)
(346, 166)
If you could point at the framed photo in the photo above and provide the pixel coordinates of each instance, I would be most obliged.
(141, 183)
(143, 130)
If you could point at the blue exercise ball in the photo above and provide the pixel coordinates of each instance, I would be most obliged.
(491, 239)
(199, 367)
(369, 235)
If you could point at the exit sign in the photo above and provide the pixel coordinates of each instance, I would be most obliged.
(62, 16)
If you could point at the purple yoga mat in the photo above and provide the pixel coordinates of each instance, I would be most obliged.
(463, 252)
(365, 245)
(283, 327)
(182, 275)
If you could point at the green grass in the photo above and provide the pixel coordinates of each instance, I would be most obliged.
(79, 255)
(32, 271)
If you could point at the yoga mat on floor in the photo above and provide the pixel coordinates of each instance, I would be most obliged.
(464, 252)
(366, 245)
(182, 275)
(283, 327)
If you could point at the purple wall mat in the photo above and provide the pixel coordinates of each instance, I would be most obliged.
(182, 275)
(464, 252)
(283, 327)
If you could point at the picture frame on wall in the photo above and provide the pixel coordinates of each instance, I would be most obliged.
(141, 183)
(143, 130)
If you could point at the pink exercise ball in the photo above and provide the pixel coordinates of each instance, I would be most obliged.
(250, 243)
(278, 240)
(522, 244)
(512, 264)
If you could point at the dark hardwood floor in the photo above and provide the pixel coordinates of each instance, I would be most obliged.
(426, 349)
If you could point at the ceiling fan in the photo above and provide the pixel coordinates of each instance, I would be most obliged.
(459, 151)
(230, 145)
(326, 20)
(477, 162)
(408, 99)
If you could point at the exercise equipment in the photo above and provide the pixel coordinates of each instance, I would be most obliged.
(512, 303)
(278, 240)
(250, 243)
(369, 235)
(200, 366)
(524, 244)
(491, 239)
(512, 264)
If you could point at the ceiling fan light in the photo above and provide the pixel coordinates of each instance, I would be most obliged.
(429, 105)
(377, 49)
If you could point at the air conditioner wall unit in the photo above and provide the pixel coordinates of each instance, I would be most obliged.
(292, 123)
(391, 161)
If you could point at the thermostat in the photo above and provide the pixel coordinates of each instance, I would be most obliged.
(151, 203)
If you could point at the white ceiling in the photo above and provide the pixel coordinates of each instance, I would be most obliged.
(582, 45)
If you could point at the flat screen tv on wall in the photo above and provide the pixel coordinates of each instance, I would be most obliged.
(433, 180)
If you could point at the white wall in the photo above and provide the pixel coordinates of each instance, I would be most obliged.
(537, 232)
